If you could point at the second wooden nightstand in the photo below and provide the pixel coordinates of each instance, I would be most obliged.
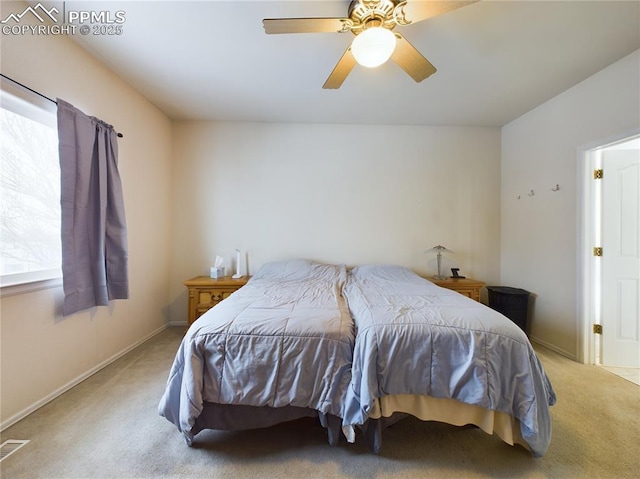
(206, 292)
(466, 286)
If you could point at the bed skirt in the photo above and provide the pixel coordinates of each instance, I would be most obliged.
(229, 417)
(449, 411)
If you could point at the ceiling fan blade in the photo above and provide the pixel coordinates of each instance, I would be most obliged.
(341, 70)
(413, 11)
(305, 25)
(411, 60)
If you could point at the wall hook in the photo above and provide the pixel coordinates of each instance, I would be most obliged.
(518, 197)
(556, 188)
(531, 193)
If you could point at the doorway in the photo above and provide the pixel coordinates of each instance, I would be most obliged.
(610, 219)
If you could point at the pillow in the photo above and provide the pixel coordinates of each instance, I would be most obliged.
(380, 270)
(388, 272)
(296, 269)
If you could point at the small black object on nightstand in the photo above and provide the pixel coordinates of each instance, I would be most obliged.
(454, 273)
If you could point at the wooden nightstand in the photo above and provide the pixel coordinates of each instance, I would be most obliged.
(206, 292)
(466, 286)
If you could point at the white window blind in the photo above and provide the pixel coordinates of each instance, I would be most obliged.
(30, 248)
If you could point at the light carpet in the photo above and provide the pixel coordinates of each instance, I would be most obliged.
(108, 427)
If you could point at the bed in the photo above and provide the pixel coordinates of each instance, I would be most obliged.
(432, 353)
(278, 349)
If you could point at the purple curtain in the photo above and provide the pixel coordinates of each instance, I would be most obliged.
(94, 232)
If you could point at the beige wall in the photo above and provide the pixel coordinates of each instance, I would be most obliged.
(540, 233)
(42, 352)
(337, 193)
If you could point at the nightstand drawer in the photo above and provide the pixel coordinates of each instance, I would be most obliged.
(206, 292)
(466, 286)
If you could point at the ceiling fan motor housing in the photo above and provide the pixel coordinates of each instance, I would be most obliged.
(372, 13)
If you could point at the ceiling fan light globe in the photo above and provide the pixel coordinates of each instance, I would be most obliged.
(373, 47)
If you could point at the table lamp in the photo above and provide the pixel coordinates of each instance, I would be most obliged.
(439, 250)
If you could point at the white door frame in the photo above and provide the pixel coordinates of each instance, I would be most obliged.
(588, 269)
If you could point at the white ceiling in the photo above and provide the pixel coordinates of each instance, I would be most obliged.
(496, 60)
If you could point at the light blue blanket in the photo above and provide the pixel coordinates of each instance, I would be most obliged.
(414, 337)
(284, 341)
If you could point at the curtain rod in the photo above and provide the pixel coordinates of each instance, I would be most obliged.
(120, 135)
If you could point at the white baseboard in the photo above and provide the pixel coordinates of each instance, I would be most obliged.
(74, 382)
(554, 348)
(177, 323)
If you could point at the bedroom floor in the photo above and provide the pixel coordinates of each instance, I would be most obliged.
(630, 374)
(108, 427)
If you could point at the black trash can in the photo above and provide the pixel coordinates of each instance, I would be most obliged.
(512, 302)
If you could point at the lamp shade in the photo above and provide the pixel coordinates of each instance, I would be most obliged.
(438, 249)
(373, 46)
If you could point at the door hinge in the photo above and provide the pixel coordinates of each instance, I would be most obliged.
(597, 251)
(598, 174)
(597, 328)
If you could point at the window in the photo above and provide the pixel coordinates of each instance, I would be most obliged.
(30, 247)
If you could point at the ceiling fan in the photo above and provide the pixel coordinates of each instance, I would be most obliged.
(372, 22)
